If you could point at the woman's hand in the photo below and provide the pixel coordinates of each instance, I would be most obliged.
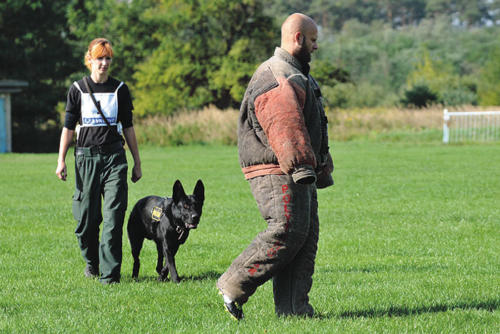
(61, 171)
(66, 138)
(136, 173)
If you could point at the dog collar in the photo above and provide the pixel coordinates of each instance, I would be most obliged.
(180, 231)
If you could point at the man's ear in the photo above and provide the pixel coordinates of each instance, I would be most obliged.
(298, 38)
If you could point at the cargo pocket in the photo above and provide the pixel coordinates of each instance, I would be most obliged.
(77, 201)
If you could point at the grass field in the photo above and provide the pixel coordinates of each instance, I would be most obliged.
(409, 242)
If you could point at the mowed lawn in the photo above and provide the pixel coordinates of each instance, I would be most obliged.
(409, 242)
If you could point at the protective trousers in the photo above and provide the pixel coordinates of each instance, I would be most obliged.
(101, 175)
(285, 251)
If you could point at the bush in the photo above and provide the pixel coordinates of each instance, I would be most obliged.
(458, 97)
(338, 96)
(489, 84)
(419, 96)
(349, 95)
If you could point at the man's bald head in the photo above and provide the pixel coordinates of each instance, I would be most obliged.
(299, 34)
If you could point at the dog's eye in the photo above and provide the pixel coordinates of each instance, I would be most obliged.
(186, 206)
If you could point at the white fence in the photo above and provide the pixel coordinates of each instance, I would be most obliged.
(463, 126)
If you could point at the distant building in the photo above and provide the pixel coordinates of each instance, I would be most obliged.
(7, 87)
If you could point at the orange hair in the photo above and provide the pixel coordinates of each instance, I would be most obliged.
(99, 47)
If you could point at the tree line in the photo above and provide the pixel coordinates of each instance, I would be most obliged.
(184, 55)
(397, 13)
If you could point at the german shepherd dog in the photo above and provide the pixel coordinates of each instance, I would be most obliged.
(166, 221)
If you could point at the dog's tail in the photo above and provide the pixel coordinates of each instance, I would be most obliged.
(135, 238)
(133, 219)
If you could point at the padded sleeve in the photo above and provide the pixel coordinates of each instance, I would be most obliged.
(280, 113)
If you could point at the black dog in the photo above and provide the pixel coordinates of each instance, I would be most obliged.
(167, 222)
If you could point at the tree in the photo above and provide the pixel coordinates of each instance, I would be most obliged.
(404, 12)
(436, 8)
(439, 78)
(489, 84)
(420, 96)
(122, 22)
(329, 75)
(280, 10)
(207, 52)
(474, 13)
(35, 49)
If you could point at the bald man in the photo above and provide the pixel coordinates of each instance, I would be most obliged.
(284, 155)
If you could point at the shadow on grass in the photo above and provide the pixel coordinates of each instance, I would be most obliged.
(141, 279)
(210, 275)
(386, 268)
(403, 311)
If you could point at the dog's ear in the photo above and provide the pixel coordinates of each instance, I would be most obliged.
(178, 192)
(199, 191)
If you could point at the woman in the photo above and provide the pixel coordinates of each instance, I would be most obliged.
(101, 104)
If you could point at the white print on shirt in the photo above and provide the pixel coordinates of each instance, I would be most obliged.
(108, 103)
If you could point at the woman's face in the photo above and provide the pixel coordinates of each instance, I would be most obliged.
(100, 65)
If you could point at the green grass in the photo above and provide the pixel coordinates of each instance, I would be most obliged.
(409, 242)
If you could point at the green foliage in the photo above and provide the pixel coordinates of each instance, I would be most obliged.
(328, 74)
(435, 81)
(444, 57)
(34, 48)
(338, 96)
(435, 74)
(182, 55)
(333, 15)
(332, 80)
(122, 22)
(459, 96)
(207, 52)
(365, 94)
(420, 95)
(489, 83)
(234, 73)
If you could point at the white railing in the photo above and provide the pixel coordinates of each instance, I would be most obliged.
(463, 126)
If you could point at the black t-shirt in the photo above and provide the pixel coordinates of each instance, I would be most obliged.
(98, 135)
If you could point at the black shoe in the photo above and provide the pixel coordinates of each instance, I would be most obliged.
(90, 272)
(234, 309)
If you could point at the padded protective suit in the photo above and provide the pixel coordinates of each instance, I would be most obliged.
(283, 152)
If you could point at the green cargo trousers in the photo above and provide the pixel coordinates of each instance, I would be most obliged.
(99, 175)
(285, 251)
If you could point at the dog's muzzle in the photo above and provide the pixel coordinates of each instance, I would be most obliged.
(195, 220)
(191, 226)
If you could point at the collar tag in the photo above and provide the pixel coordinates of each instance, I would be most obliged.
(156, 213)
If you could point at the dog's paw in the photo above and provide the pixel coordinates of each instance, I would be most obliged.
(162, 278)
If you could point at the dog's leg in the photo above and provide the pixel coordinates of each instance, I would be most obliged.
(136, 246)
(171, 265)
(161, 268)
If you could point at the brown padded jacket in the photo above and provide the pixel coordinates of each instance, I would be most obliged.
(282, 125)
